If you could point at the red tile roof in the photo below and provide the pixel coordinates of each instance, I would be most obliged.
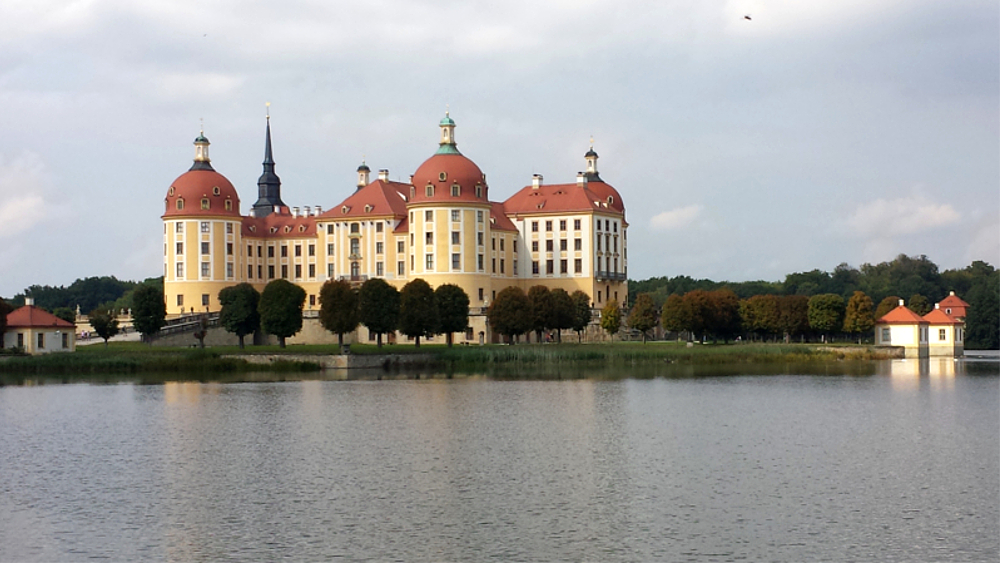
(499, 218)
(953, 301)
(30, 316)
(939, 317)
(457, 169)
(562, 198)
(195, 185)
(382, 198)
(280, 225)
(901, 315)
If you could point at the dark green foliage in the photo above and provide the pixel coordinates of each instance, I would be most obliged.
(724, 315)
(826, 313)
(5, 309)
(104, 324)
(581, 313)
(453, 309)
(379, 304)
(563, 311)
(418, 314)
(339, 311)
(88, 293)
(886, 305)
(540, 301)
(510, 313)
(65, 313)
(239, 313)
(643, 315)
(858, 317)
(983, 317)
(281, 309)
(611, 318)
(793, 315)
(674, 315)
(919, 304)
(149, 310)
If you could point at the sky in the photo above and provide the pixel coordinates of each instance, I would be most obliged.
(812, 134)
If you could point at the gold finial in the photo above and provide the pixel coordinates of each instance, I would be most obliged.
(446, 109)
(268, 110)
(591, 141)
(202, 128)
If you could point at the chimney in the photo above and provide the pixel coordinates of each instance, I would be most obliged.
(900, 302)
(295, 212)
(952, 293)
(536, 181)
(29, 301)
(937, 305)
(306, 211)
(318, 210)
(383, 175)
(581, 179)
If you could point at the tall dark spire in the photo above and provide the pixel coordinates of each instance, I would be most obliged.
(269, 185)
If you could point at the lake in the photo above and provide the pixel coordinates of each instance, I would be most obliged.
(877, 461)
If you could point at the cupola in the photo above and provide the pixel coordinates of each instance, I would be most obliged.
(364, 173)
(591, 158)
(447, 143)
(201, 160)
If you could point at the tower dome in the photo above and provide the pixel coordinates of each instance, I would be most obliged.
(201, 191)
(448, 175)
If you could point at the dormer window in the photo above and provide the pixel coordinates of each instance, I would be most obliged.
(611, 200)
(205, 203)
(253, 228)
(229, 205)
(429, 190)
(288, 229)
(345, 209)
(479, 191)
(274, 230)
(368, 208)
(302, 228)
(443, 176)
(180, 203)
(216, 190)
(171, 191)
(456, 190)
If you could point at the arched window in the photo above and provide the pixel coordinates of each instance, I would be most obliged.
(456, 190)
(180, 203)
(205, 204)
(479, 191)
(429, 190)
(229, 205)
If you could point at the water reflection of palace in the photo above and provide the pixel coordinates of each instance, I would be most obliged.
(913, 373)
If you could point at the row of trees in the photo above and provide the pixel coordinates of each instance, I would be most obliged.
(904, 275)
(515, 312)
(416, 311)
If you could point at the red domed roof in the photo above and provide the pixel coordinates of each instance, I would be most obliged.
(194, 186)
(442, 171)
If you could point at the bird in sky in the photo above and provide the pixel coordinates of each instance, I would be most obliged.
(746, 17)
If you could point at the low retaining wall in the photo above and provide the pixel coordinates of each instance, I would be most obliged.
(349, 361)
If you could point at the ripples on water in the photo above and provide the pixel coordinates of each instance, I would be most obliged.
(901, 465)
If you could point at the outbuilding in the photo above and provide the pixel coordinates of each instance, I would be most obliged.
(36, 331)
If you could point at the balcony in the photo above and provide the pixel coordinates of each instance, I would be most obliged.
(610, 276)
(353, 279)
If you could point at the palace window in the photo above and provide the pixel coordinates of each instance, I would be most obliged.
(428, 238)
(206, 269)
(312, 250)
(298, 250)
(562, 224)
(399, 246)
(180, 270)
(479, 262)
(548, 226)
(456, 237)
(379, 269)
(229, 270)
(355, 228)
(229, 249)
(298, 271)
(479, 216)
(548, 246)
(204, 248)
(456, 261)
(534, 267)
(179, 227)
(942, 334)
(429, 216)
(501, 265)
(250, 272)
(479, 239)
(205, 204)
(534, 226)
(180, 248)
(576, 224)
(562, 267)
(270, 272)
(578, 266)
(429, 262)
(401, 268)
(549, 267)
(284, 271)
(562, 245)
(534, 246)
(455, 190)
(379, 226)
(355, 247)
(379, 248)
(204, 227)
(229, 228)
(180, 300)
(456, 215)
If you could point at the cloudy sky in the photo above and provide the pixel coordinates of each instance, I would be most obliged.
(813, 134)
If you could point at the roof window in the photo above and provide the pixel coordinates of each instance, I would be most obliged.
(216, 190)
(443, 176)
(205, 204)
(180, 203)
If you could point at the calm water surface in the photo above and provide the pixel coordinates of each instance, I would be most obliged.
(902, 464)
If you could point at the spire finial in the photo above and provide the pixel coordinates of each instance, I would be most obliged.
(591, 141)
(267, 110)
(202, 126)
(447, 108)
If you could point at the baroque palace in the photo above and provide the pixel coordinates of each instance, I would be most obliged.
(441, 226)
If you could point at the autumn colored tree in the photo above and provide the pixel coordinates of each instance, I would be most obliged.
(562, 311)
(858, 317)
(674, 315)
(611, 318)
(339, 311)
(886, 305)
(826, 313)
(760, 314)
(239, 313)
(418, 312)
(540, 300)
(581, 313)
(793, 315)
(379, 307)
(453, 309)
(643, 315)
(280, 309)
(510, 313)
(697, 306)
(724, 314)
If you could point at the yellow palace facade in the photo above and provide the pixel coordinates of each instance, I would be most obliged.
(441, 227)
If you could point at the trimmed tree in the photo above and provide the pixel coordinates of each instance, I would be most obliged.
(540, 300)
(760, 315)
(149, 310)
(858, 317)
(379, 304)
(281, 309)
(581, 313)
(611, 318)
(338, 309)
(793, 315)
(826, 313)
(239, 313)
(510, 313)
(886, 305)
(453, 310)
(563, 310)
(698, 310)
(643, 315)
(104, 324)
(418, 314)
(724, 315)
(673, 317)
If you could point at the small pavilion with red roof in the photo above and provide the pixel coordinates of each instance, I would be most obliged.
(937, 333)
(36, 331)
